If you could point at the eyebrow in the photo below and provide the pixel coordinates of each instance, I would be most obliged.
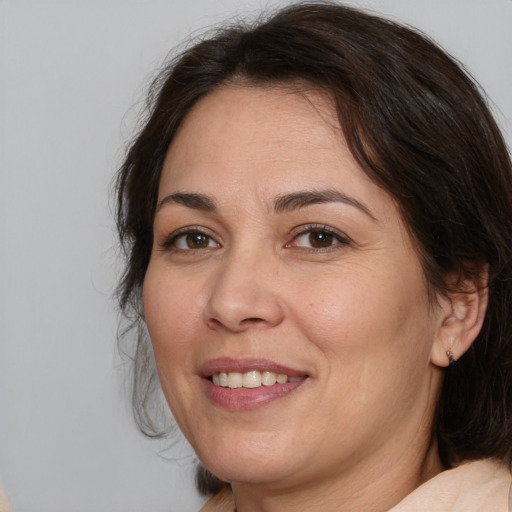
(301, 199)
(282, 204)
(194, 201)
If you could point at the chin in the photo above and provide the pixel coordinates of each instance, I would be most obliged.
(255, 462)
(250, 472)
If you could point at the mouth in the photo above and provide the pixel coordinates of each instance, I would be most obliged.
(245, 384)
(252, 379)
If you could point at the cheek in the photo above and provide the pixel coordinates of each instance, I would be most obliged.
(374, 338)
(171, 317)
(365, 319)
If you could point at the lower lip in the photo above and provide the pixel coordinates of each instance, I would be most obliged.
(245, 399)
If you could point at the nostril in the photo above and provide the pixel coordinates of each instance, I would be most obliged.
(214, 323)
(252, 320)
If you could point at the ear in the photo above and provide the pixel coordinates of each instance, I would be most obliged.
(463, 313)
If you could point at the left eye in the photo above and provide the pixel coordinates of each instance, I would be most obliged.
(193, 240)
(318, 238)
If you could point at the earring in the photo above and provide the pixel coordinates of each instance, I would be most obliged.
(451, 359)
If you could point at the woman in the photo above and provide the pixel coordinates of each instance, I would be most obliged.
(316, 217)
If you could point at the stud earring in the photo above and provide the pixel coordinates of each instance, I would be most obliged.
(451, 359)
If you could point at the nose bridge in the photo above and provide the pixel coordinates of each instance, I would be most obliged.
(244, 291)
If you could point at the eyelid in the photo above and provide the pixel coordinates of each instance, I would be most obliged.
(299, 231)
(168, 242)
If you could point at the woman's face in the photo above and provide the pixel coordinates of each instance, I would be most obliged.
(280, 267)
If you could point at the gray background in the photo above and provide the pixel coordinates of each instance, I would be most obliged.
(71, 72)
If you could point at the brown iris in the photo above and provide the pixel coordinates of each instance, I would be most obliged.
(320, 239)
(197, 240)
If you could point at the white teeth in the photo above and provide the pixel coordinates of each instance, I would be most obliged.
(252, 379)
(235, 380)
(268, 378)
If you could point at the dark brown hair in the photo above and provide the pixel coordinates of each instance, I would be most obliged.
(419, 127)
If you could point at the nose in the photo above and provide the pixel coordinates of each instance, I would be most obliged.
(244, 294)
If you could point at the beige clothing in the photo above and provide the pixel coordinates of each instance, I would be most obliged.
(221, 502)
(480, 486)
(4, 502)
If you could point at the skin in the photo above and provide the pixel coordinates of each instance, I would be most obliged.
(353, 315)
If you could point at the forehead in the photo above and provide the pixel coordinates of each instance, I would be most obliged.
(258, 109)
(261, 134)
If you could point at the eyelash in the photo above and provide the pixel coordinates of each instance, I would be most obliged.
(339, 238)
(170, 243)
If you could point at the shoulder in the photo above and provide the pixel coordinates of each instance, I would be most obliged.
(479, 486)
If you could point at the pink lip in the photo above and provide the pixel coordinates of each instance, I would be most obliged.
(243, 399)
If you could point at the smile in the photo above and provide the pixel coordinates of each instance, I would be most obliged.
(251, 379)
(244, 384)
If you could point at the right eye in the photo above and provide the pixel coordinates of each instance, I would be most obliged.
(190, 240)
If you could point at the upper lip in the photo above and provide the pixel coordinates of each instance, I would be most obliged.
(243, 365)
